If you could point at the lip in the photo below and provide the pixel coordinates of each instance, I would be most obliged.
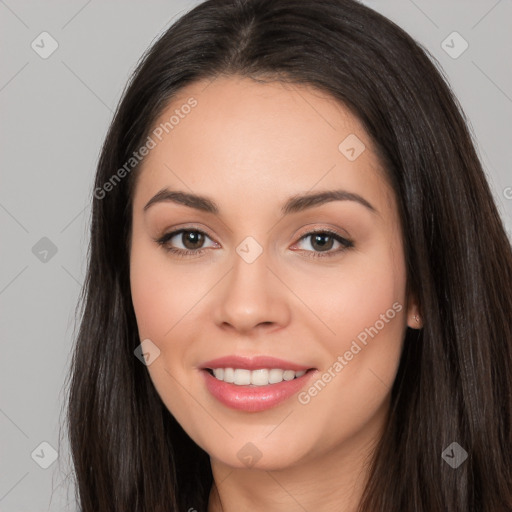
(252, 363)
(252, 398)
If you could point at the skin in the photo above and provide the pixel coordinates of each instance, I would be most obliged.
(249, 146)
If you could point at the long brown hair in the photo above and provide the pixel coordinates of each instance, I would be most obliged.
(454, 382)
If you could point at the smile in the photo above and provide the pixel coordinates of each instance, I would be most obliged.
(260, 377)
(254, 384)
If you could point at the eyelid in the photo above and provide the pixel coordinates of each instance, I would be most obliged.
(316, 228)
(309, 229)
(186, 227)
(167, 235)
(345, 241)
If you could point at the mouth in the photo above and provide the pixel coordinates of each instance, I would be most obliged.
(254, 384)
(258, 377)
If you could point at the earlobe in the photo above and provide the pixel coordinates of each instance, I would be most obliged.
(416, 322)
(414, 319)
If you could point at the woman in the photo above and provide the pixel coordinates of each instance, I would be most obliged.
(299, 289)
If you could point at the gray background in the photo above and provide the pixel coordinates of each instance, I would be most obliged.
(54, 116)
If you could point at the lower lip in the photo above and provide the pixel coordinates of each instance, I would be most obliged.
(254, 398)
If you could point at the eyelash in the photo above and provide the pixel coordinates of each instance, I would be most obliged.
(183, 253)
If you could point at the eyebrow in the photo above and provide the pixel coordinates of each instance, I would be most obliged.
(294, 204)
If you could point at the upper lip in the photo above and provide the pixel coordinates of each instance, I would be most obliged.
(252, 363)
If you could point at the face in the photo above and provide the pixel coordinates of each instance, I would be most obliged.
(301, 302)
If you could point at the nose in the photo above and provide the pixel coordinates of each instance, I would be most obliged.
(252, 298)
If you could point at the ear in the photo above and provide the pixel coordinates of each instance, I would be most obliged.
(414, 317)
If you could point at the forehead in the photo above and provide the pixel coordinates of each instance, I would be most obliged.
(251, 140)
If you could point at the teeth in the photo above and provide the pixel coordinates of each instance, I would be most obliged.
(229, 375)
(242, 377)
(289, 375)
(219, 373)
(261, 377)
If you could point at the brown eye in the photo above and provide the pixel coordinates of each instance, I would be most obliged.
(191, 241)
(323, 241)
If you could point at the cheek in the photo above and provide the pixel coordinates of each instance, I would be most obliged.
(162, 293)
(372, 320)
(365, 307)
(365, 290)
(150, 293)
(367, 302)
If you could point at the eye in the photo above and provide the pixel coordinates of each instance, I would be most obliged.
(190, 239)
(321, 241)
